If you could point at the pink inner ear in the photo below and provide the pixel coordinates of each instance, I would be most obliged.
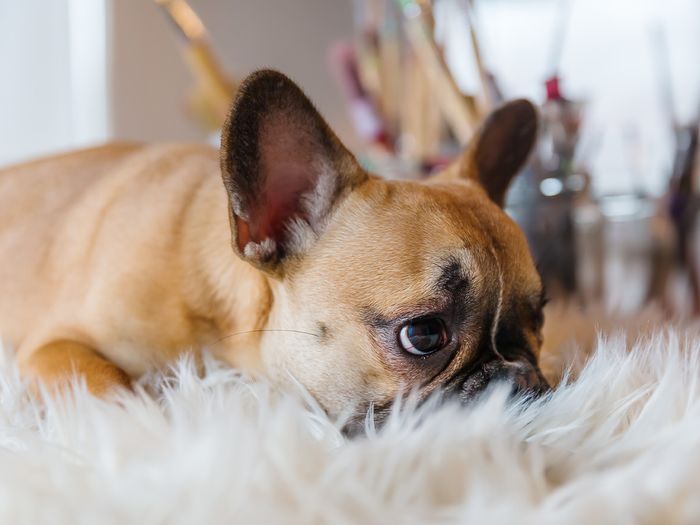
(288, 174)
(281, 202)
(288, 153)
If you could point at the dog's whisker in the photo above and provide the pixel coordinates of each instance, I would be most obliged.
(247, 332)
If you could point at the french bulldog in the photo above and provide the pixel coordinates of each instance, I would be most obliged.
(301, 266)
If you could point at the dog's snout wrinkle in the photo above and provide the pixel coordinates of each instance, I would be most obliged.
(499, 305)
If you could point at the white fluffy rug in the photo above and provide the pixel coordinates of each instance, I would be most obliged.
(620, 444)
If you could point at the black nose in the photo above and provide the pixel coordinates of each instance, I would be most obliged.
(523, 377)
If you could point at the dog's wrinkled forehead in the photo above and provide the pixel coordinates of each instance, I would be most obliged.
(397, 243)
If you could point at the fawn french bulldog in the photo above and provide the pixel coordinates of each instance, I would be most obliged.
(301, 265)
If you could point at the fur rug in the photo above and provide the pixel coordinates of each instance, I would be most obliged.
(619, 444)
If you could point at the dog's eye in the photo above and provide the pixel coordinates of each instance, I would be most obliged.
(423, 336)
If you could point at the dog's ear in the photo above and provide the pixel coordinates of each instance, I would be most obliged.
(500, 148)
(283, 168)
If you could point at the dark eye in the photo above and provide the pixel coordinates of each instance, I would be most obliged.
(423, 336)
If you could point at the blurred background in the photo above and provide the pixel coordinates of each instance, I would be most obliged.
(608, 202)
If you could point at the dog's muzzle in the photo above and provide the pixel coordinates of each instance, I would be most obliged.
(524, 379)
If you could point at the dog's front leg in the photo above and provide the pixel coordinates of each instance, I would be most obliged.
(56, 363)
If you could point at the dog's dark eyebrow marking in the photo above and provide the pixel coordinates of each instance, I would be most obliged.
(450, 284)
(452, 278)
(371, 317)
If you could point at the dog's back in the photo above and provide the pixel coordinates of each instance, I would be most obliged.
(34, 200)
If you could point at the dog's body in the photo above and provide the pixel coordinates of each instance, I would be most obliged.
(119, 258)
(125, 248)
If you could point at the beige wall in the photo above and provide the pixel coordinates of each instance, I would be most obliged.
(150, 82)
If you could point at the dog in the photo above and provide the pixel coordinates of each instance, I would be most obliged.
(302, 266)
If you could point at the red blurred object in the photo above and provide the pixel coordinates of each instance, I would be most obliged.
(553, 88)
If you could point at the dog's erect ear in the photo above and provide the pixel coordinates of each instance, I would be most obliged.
(283, 168)
(500, 148)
